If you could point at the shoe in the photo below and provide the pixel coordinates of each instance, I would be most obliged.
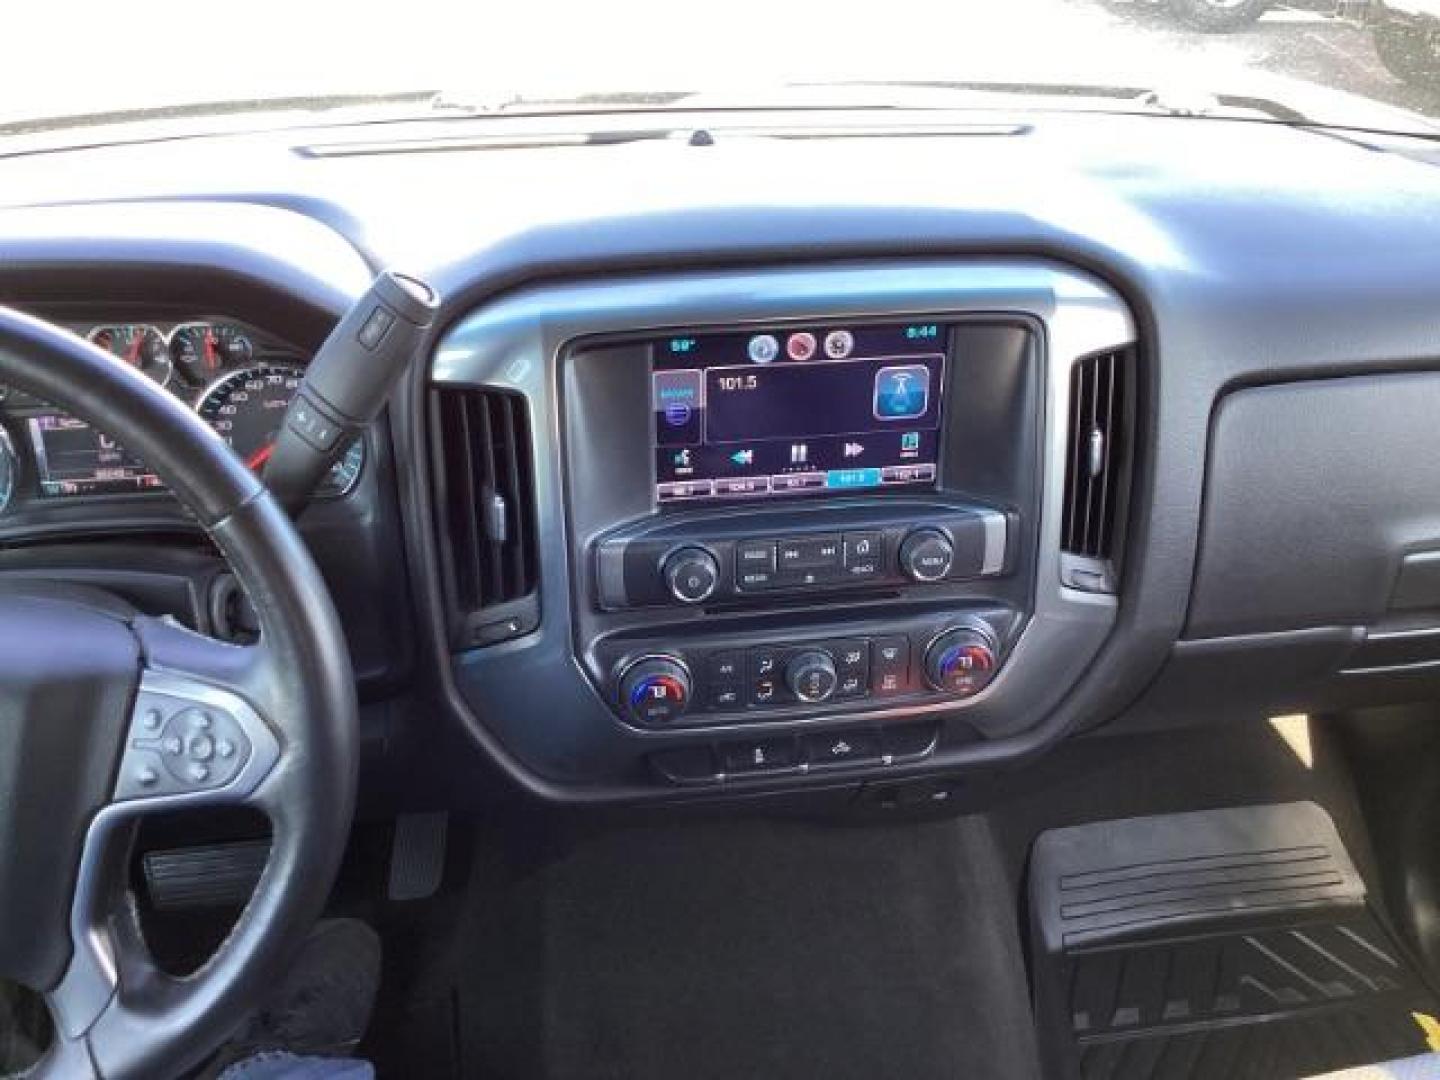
(322, 1006)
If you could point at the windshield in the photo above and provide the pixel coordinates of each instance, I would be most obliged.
(1361, 63)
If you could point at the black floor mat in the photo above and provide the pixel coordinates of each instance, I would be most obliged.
(1228, 944)
(748, 949)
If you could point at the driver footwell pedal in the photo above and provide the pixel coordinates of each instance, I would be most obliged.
(1227, 943)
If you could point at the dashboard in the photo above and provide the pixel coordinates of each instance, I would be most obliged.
(734, 485)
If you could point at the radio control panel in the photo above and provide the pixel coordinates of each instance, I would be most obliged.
(724, 561)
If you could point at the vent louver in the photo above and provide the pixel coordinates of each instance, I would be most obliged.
(1097, 466)
(485, 505)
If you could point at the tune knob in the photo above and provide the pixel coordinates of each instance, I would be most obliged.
(655, 691)
(811, 676)
(961, 661)
(926, 555)
(691, 574)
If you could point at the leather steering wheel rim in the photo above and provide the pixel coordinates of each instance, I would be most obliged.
(290, 698)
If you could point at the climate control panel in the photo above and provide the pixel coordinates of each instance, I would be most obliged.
(724, 683)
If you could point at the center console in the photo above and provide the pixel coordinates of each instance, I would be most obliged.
(796, 524)
(797, 467)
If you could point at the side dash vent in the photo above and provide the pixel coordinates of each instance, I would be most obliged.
(1097, 469)
(485, 507)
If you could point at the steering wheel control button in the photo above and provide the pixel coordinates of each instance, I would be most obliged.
(842, 748)
(691, 575)
(811, 676)
(199, 745)
(759, 755)
(189, 745)
(890, 664)
(655, 691)
(185, 748)
(926, 555)
(961, 662)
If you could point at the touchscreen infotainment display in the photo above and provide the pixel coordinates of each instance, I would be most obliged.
(798, 410)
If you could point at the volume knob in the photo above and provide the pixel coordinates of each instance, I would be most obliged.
(691, 574)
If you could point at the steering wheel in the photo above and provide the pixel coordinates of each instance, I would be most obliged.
(107, 716)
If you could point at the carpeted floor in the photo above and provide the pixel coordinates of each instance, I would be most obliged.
(748, 948)
(776, 948)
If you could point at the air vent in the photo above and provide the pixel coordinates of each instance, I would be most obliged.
(485, 505)
(1097, 469)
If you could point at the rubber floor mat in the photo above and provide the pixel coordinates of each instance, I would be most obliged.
(1234, 943)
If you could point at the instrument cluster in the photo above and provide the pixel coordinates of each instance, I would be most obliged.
(239, 380)
(189, 355)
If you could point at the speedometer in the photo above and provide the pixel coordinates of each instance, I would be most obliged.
(246, 409)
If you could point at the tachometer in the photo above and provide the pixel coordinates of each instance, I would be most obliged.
(246, 408)
(139, 346)
(201, 351)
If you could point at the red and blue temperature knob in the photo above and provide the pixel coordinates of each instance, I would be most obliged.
(961, 661)
(655, 691)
